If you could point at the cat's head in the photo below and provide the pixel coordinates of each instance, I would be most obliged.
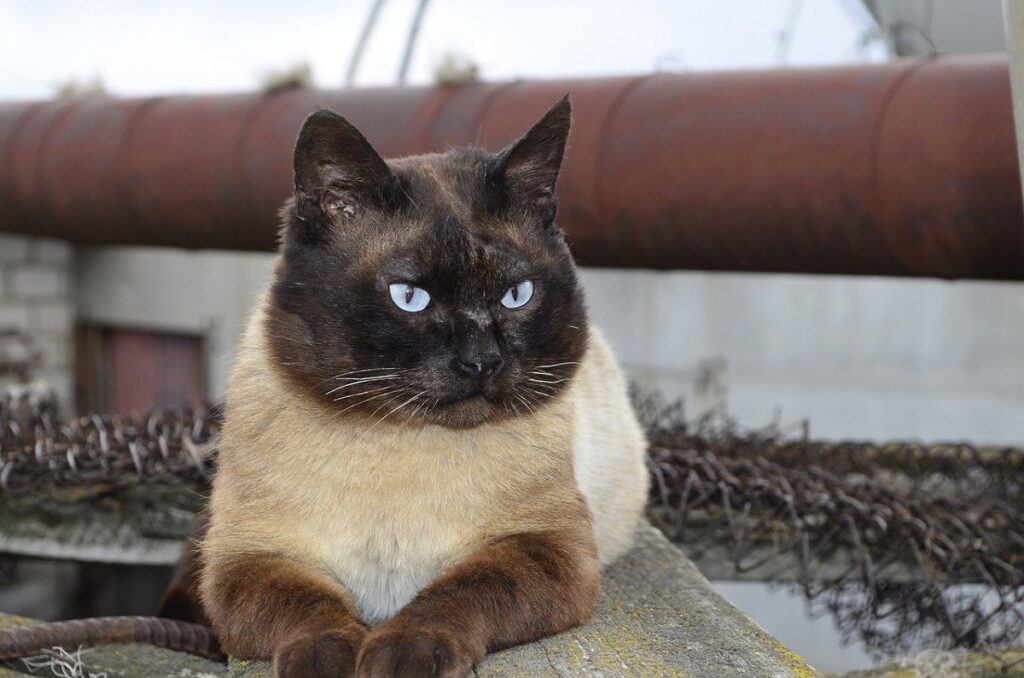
(434, 288)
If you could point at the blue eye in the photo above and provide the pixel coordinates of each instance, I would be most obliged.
(409, 298)
(518, 295)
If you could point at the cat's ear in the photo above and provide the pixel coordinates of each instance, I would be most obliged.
(527, 169)
(338, 174)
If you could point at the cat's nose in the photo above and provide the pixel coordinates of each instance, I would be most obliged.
(480, 366)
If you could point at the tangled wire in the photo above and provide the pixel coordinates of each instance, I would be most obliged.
(40, 451)
(906, 545)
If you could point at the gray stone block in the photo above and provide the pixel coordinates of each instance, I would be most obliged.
(14, 316)
(37, 281)
(52, 251)
(13, 247)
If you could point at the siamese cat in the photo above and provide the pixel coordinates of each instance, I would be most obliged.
(428, 453)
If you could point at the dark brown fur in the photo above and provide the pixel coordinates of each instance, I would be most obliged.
(465, 225)
(517, 590)
(181, 600)
(275, 608)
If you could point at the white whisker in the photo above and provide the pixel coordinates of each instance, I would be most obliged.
(396, 409)
(393, 375)
(386, 403)
(363, 380)
(525, 402)
(381, 395)
(541, 395)
(368, 369)
(362, 393)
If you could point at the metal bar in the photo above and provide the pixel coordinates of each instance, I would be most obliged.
(364, 38)
(410, 41)
(907, 168)
(1013, 21)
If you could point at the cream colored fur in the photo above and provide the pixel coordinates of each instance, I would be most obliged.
(385, 509)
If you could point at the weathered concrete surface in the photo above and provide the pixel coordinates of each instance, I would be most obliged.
(127, 661)
(1004, 663)
(657, 616)
(138, 524)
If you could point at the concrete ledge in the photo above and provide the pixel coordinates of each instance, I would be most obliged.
(1001, 663)
(136, 525)
(658, 616)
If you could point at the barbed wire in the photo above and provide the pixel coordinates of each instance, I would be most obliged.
(905, 545)
(40, 451)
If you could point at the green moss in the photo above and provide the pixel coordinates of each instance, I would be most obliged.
(1005, 663)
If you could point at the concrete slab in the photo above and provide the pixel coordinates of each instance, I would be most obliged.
(136, 525)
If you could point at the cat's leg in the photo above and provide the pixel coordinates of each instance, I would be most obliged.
(266, 607)
(516, 590)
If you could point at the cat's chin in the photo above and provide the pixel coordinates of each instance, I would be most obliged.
(465, 413)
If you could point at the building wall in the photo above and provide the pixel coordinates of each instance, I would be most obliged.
(206, 294)
(36, 297)
(867, 358)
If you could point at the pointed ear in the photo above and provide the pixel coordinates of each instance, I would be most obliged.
(338, 174)
(526, 171)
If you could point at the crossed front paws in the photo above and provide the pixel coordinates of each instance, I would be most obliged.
(400, 650)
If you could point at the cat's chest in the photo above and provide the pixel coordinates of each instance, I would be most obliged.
(384, 555)
(387, 530)
(389, 514)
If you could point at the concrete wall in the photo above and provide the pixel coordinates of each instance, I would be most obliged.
(858, 357)
(208, 294)
(36, 297)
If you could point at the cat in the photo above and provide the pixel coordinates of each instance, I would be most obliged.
(428, 453)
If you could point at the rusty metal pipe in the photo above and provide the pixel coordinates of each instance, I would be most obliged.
(907, 168)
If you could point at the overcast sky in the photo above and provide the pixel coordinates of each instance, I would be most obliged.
(163, 46)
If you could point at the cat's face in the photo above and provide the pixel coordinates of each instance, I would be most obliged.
(434, 288)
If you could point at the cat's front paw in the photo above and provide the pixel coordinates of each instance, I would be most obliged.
(330, 654)
(414, 651)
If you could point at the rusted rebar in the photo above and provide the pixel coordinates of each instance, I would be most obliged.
(34, 639)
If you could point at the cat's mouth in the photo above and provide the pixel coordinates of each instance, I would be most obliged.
(489, 392)
(465, 411)
(477, 397)
(471, 407)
